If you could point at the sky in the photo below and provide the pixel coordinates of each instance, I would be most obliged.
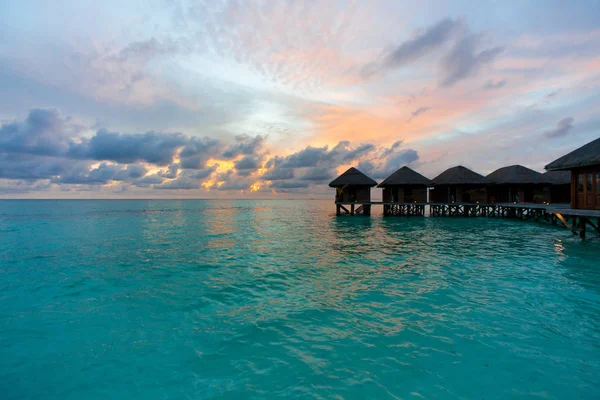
(274, 99)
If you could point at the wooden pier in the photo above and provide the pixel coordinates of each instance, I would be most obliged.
(577, 221)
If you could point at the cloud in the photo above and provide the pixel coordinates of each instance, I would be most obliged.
(383, 167)
(563, 127)
(491, 85)
(247, 163)
(464, 61)
(28, 167)
(198, 151)
(390, 150)
(232, 183)
(203, 173)
(148, 180)
(151, 147)
(289, 185)
(422, 44)
(136, 170)
(179, 184)
(308, 157)
(317, 174)
(245, 145)
(102, 174)
(360, 151)
(418, 111)
(278, 173)
(43, 132)
(171, 172)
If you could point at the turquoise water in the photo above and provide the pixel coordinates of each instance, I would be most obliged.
(264, 299)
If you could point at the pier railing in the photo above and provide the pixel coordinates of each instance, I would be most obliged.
(574, 220)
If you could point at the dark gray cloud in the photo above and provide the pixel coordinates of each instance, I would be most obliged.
(390, 150)
(29, 167)
(245, 145)
(179, 184)
(317, 174)
(202, 174)
(232, 182)
(360, 151)
(148, 180)
(417, 112)
(136, 171)
(247, 163)
(384, 167)
(563, 127)
(273, 162)
(322, 156)
(102, 174)
(491, 85)
(197, 151)
(43, 132)
(309, 157)
(289, 185)
(464, 60)
(151, 147)
(278, 173)
(171, 172)
(312, 165)
(420, 45)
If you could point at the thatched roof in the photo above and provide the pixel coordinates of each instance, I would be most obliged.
(460, 176)
(405, 176)
(516, 175)
(584, 156)
(352, 177)
(558, 177)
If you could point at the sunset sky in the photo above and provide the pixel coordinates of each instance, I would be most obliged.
(206, 99)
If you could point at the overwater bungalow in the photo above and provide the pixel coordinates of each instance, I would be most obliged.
(405, 186)
(459, 184)
(519, 184)
(353, 187)
(560, 189)
(584, 165)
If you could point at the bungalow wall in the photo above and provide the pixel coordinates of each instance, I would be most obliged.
(527, 194)
(355, 193)
(560, 193)
(404, 194)
(458, 193)
(585, 188)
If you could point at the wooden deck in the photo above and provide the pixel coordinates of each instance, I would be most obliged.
(573, 219)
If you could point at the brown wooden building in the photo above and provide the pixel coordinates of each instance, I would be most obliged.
(560, 190)
(517, 183)
(584, 164)
(405, 186)
(352, 186)
(460, 185)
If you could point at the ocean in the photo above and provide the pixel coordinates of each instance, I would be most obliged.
(230, 299)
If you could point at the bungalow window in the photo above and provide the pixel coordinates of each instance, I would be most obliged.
(597, 182)
(589, 182)
(580, 183)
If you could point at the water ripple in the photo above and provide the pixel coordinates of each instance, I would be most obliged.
(260, 299)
